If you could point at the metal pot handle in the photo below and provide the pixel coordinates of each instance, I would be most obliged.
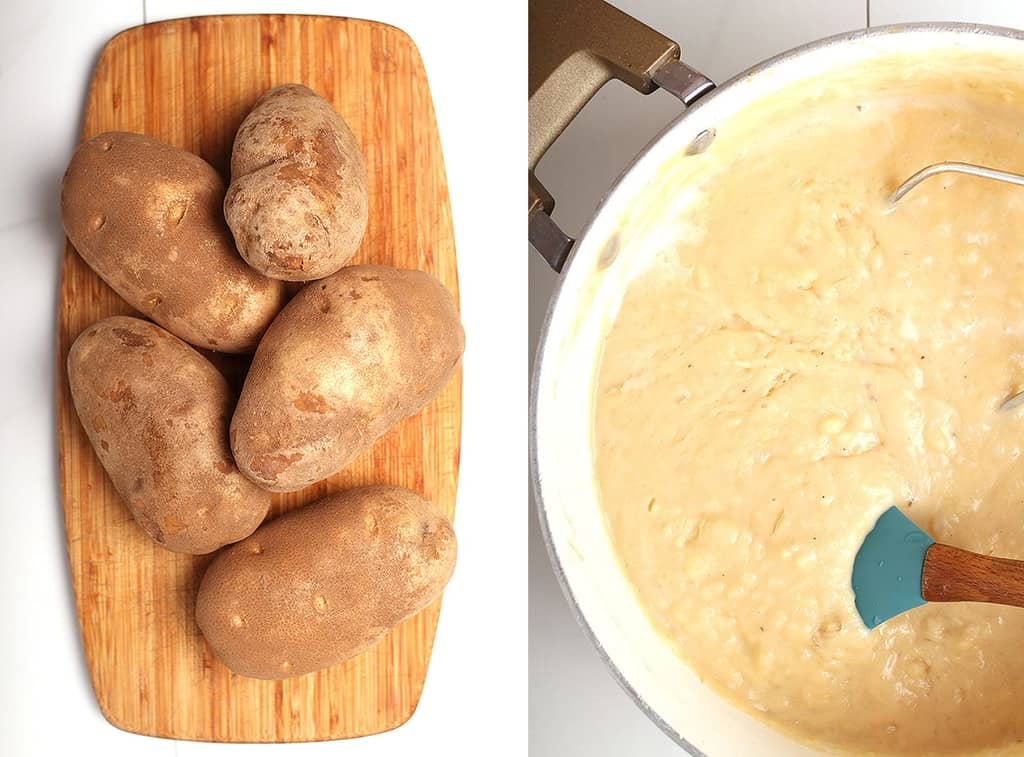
(576, 47)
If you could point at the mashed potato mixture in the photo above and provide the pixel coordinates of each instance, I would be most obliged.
(793, 359)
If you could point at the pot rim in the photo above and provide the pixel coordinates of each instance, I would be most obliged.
(537, 376)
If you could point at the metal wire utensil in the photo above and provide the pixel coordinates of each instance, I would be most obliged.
(952, 167)
(1014, 400)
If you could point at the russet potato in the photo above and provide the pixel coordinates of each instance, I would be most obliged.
(297, 203)
(324, 582)
(147, 217)
(156, 412)
(347, 358)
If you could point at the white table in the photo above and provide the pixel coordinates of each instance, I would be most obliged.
(576, 708)
(475, 695)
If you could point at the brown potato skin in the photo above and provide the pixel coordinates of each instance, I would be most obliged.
(156, 412)
(324, 582)
(347, 358)
(297, 203)
(147, 217)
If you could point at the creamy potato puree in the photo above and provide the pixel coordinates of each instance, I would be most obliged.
(794, 359)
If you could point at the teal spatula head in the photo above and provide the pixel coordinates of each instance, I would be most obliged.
(887, 569)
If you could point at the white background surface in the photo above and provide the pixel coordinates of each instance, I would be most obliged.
(576, 707)
(475, 699)
(475, 695)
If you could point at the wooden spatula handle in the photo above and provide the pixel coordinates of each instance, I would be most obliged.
(956, 575)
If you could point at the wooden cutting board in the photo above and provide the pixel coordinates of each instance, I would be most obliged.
(190, 82)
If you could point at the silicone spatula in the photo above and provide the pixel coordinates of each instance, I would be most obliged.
(900, 567)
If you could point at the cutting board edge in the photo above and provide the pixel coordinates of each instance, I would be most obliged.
(181, 19)
(158, 734)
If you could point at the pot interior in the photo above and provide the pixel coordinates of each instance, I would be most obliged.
(630, 228)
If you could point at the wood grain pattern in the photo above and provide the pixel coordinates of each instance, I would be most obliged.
(951, 574)
(190, 82)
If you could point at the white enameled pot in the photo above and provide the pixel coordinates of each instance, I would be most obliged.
(601, 263)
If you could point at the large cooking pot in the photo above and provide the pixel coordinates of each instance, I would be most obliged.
(575, 47)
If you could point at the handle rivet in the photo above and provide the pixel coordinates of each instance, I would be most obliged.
(701, 142)
(609, 252)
